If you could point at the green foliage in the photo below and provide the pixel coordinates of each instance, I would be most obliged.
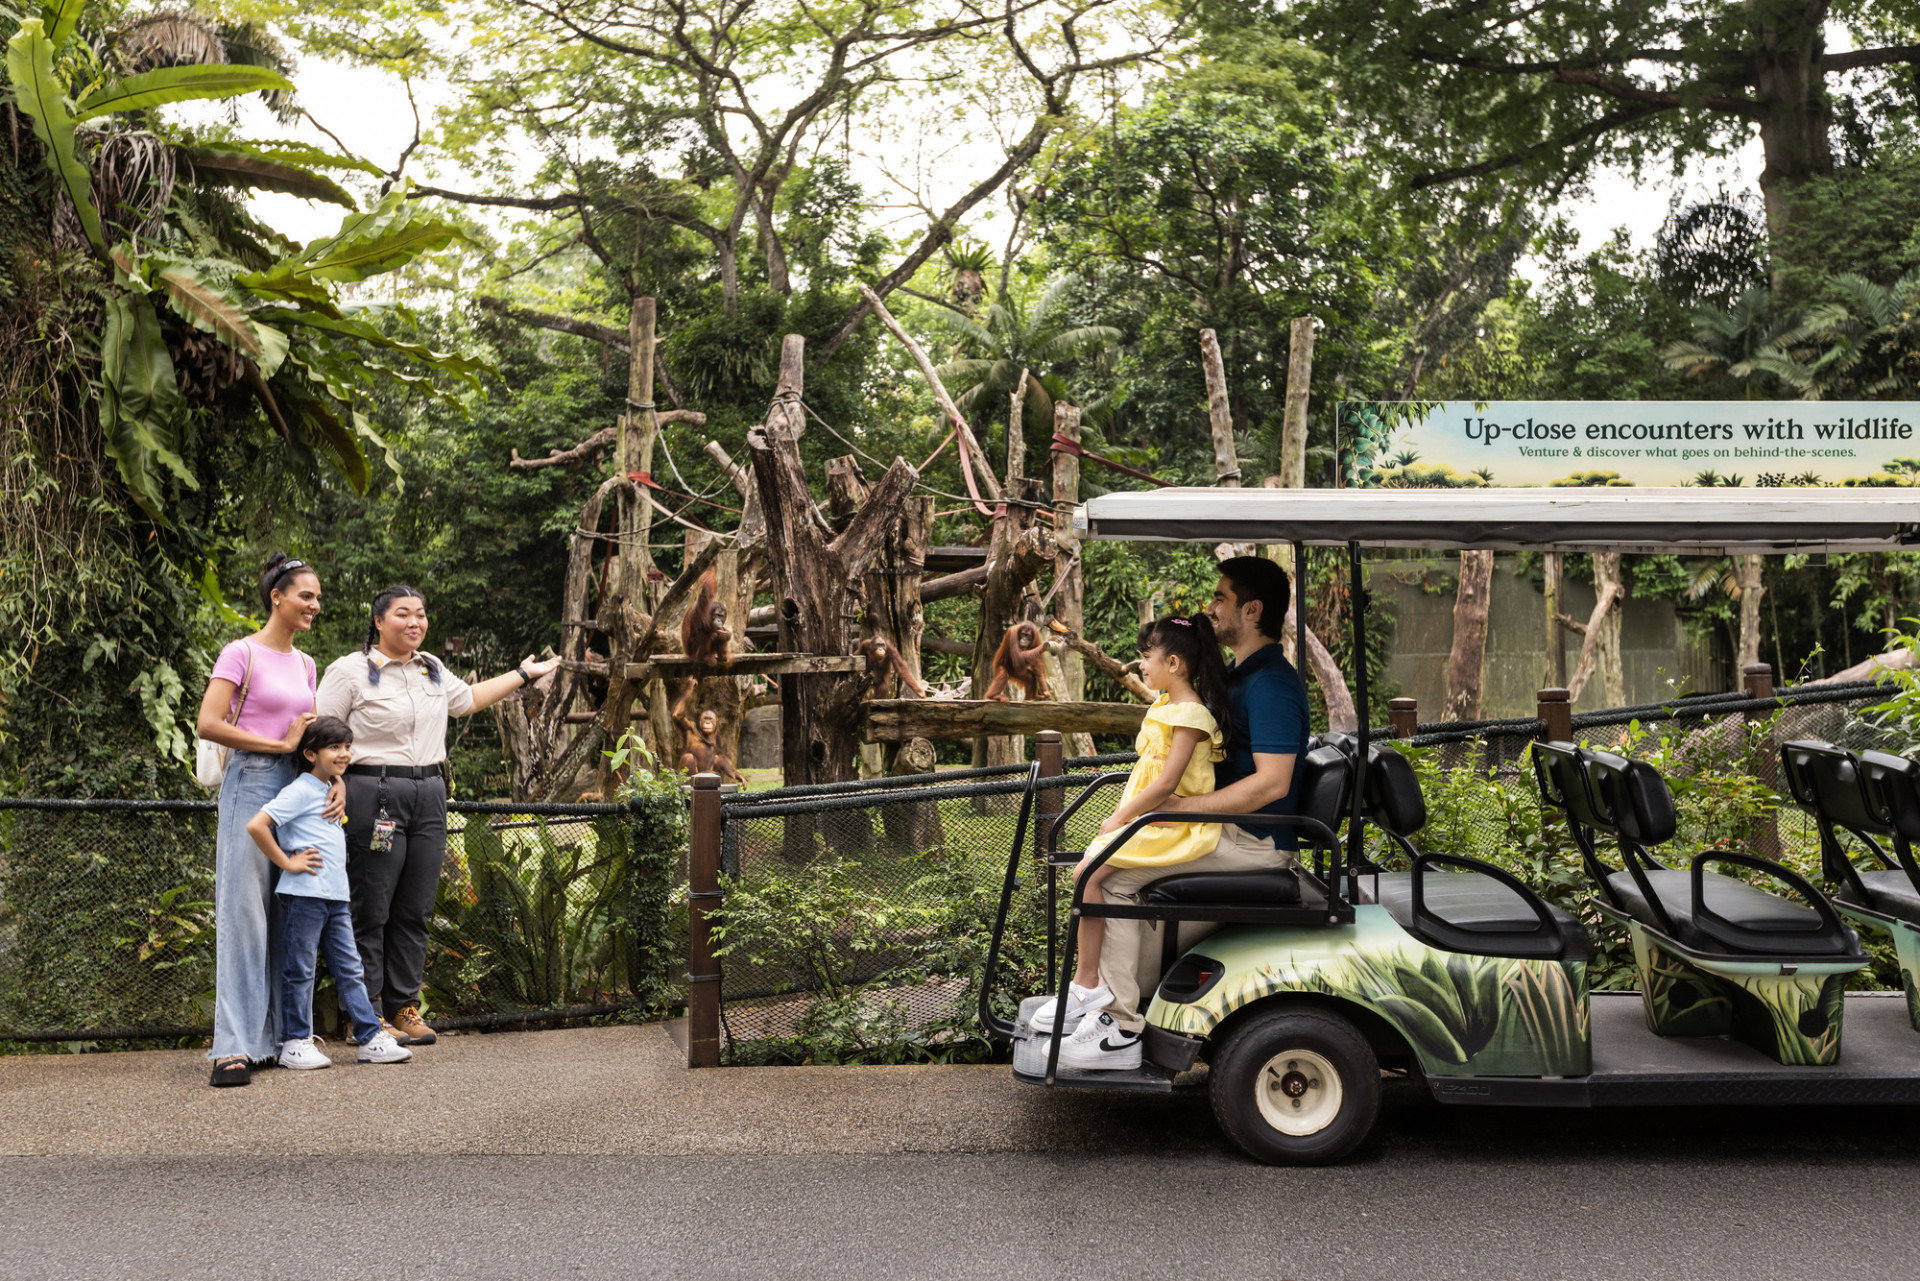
(109, 922)
(549, 915)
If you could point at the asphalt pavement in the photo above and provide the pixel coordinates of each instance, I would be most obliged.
(622, 1167)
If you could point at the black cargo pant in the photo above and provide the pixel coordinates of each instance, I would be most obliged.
(393, 891)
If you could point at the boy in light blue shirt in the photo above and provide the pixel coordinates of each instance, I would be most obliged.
(313, 889)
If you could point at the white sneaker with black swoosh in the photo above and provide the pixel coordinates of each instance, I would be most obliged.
(1101, 1044)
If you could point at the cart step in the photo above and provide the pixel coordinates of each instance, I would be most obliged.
(1030, 1063)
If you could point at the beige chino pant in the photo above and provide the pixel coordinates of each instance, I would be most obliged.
(1130, 955)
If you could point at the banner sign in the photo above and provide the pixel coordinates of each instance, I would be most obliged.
(1463, 443)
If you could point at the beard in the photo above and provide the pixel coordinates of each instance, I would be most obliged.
(1227, 629)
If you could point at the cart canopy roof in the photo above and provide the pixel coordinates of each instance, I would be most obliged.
(1616, 518)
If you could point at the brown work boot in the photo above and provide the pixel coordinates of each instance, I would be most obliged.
(408, 1023)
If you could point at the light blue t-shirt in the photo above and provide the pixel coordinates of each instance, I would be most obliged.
(297, 825)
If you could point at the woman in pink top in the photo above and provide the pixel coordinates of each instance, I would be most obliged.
(271, 686)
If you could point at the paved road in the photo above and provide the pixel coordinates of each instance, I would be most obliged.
(1444, 1193)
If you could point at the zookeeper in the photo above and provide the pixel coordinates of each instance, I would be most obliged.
(396, 698)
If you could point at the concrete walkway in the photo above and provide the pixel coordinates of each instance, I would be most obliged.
(609, 1091)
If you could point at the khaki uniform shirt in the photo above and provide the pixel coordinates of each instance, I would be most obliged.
(402, 719)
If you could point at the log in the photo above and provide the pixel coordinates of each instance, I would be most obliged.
(1069, 578)
(1017, 430)
(1293, 422)
(1226, 463)
(1609, 596)
(959, 421)
(1021, 548)
(943, 645)
(680, 667)
(896, 720)
(818, 589)
(1109, 665)
(600, 440)
(951, 585)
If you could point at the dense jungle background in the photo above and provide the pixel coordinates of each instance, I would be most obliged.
(185, 388)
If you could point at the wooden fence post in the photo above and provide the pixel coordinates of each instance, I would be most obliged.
(1555, 710)
(703, 898)
(1757, 680)
(1048, 750)
(1403, 715)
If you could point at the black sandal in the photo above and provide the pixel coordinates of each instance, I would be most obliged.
(232, 1071)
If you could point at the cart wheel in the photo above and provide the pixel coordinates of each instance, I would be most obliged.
(1296, 1087)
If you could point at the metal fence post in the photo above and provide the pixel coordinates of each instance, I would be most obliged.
(1757, 680)
(1403, 716)
(703, 898)
(1555, 710)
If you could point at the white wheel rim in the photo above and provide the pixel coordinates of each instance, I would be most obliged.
(1298, 1092)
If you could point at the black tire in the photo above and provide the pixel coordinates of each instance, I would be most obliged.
(1321, 1041)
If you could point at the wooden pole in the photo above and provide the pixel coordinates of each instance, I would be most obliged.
(979, 457)
(1553, 573)
(1293, 423)
(1403, 716)
(1226, 464)
(624, 621)
(1757, 680)
(703, 900)
(1069, 600)
(1554, 708)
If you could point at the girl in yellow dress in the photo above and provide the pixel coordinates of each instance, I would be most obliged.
(1183, 735)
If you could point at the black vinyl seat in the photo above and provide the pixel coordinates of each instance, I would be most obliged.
(1873, 797)
(1280, 888)
(1451, 902)
(1322, 780)
(1710, 912)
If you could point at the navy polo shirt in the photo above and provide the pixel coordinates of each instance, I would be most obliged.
(1268, 704)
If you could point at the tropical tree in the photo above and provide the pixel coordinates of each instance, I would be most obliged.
(1036, 339)
(270, 308)
(1521, 93)
(169, 364)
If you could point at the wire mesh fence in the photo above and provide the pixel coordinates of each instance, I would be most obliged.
(857, 915)
(543, 912)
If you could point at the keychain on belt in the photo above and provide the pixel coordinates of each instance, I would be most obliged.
(383, 826)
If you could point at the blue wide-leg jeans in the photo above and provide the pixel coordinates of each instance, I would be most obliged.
(247, 920)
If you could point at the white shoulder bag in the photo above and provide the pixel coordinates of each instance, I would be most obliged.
(210, 759)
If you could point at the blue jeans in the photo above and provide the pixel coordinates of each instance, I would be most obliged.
(314, 925)
(246, 999)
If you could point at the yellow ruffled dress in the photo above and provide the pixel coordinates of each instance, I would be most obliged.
(1165, 844)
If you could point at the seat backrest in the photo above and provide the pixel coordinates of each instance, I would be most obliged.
(1637, 796)
(1561, 773)
(1607, 792)
(1322, 783)
(1829, 782)
(1893, 792)
(1394, 801)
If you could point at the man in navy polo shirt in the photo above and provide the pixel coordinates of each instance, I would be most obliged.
(1268, 705)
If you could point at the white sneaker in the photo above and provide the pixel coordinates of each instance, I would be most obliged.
(382, 1048)
(1081, 1001)
(304, 1054)
(1102, 1045)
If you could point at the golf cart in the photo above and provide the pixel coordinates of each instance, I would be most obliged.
(1451, 967)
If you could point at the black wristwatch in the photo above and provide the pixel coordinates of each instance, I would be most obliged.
(526, 677)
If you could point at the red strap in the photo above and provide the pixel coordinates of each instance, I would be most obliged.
(646, 478)
(966, 474)
(1061, 445)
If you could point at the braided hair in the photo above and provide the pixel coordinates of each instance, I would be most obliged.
(381, 603)
(1191, 640)
(279, 571)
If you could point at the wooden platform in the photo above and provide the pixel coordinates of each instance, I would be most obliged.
(895, 720)
(679, 665)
